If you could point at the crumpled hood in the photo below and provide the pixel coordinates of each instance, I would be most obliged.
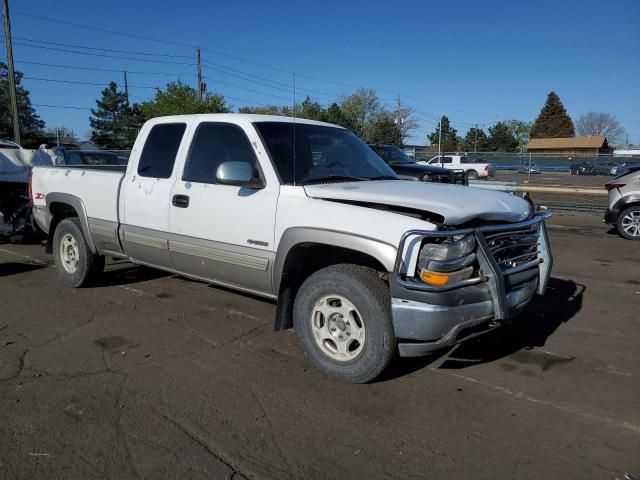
(457, 204)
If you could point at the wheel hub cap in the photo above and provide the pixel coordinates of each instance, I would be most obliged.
(631, 223)
(338, 328)
(69, 253)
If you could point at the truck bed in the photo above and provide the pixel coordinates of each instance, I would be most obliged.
(97, 186)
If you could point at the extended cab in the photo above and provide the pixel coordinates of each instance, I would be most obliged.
(475, 169)
(362, 263)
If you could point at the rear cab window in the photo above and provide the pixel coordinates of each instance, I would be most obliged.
(160, 149)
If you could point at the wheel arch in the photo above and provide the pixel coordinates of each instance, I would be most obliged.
(64, 205)
(303, 251)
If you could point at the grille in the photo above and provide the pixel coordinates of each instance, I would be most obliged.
(514, 249)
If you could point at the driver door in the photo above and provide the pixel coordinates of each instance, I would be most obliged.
(222, 233)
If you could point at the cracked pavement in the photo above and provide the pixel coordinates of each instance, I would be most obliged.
(150, 375)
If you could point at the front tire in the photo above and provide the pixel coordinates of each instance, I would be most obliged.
(628, 223)
(472, 175)
(342, 320)
(75, 264)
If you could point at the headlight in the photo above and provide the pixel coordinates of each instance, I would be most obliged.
(449, 250)
(447, 262)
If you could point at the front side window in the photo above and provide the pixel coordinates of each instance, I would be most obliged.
(212, 145)
(160, 150)
(306, 153)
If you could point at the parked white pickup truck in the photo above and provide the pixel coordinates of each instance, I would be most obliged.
(362, 264)
(470, 165)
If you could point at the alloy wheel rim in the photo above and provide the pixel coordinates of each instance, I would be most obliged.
(631, 223)
(69, 253)
(338, 328)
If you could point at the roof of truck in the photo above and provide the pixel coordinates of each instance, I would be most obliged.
(242, 116)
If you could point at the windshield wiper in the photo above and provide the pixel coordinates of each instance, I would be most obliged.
(384, 177)
(327, 178)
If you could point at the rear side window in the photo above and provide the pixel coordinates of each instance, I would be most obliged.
(160, 149)
(212, 145)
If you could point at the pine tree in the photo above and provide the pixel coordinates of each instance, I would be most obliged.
(501, 138)
(475, 140)
(31, 126)
(449, 136)
(111, 121)
(553, 121)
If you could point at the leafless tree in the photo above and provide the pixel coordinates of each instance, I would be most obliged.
(404, 115)
(600, 123)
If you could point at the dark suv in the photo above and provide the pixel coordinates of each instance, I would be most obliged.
(406, 167)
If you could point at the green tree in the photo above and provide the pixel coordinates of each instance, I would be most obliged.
(553, 121)
(475, 140)
(311, 110)
(179, 98)
(31, 126)
(112, 122)
(359, 107)
(334, 114)
(449, 136)
(501, 139)
(520, 131)
(383, 128)
(262, 110)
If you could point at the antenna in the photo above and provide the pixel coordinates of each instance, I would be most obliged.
(294, 128)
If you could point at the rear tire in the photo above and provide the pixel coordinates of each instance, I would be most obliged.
(628, 223)
(342, 320)
(472, 175)
(75, 264)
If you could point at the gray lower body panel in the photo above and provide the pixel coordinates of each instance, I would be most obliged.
(422, 328)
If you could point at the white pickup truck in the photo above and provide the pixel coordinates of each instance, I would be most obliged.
(362, 264)
(470, 165)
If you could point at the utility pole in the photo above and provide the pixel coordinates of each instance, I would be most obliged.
(126, 88)
(199, 77)
(475, 141)
(440, 142)
(12, 74)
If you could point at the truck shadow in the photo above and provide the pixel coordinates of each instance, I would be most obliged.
(15, 268)
(561, 302)
(127, 273)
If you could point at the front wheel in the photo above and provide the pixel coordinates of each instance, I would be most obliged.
(75, 263)
(629, 223)
(472, 175)
(342, 320)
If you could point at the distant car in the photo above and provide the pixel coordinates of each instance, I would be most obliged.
(405, 167)
(593, 167)
(624, 167)
(91, 158)
(529, 168)
(475, 168)
(624, 203)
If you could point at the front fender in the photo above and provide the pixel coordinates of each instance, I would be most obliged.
(383, 252)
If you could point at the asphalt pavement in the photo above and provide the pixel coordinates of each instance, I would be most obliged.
(150, 375)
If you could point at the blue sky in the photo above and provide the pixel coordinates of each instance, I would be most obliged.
(476, 62)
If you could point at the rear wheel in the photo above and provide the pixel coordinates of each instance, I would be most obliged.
(75, 264)
(629, 223)
(342, 320)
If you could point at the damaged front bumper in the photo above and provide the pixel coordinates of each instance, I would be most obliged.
(427, 318)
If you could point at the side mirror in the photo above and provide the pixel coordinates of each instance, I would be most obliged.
(240, 174)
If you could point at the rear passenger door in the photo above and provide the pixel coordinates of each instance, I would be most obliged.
(147, 195)
(223, 233)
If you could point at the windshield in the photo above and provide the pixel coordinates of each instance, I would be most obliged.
(393, 155)
(321, 153)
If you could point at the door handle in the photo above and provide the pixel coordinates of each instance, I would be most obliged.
(180, 201)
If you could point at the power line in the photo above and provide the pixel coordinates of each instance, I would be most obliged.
(97, 84)
(110, 70)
